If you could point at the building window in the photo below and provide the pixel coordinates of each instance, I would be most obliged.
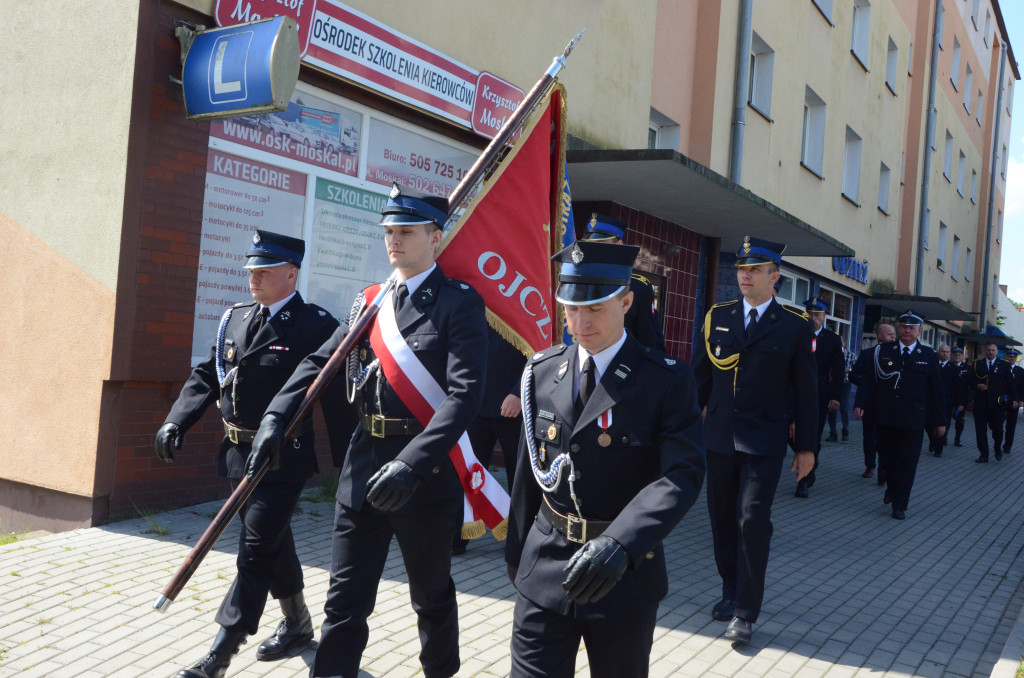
(825, 7)
(967, 265)
(652, 136)
(941, 250)
(793, 289)
(961, 169)
(813, 144)
(974, 186)
(851, 167)
(883, 188)
(977, 109)
(995, 290)
(956, 258)
(968, 81)
(999, 225)
(910, 59)
(892, 60)
(947, 162)
(861, 39)
(988, 25)
(954, 68)
(1003, 170)
(762, 62)
(975, 6)
(840, 312)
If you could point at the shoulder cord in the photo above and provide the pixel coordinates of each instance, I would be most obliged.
(881, 373)
(729, 363)
(978, 376)
(548, 480)
(356, 378)
(223, 379)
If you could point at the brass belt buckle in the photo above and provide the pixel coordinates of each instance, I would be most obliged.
(377, 425)
(233, 435)
(576, 529)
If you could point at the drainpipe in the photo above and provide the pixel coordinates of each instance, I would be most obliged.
(926, 174)
(739, 96)
(992, 186)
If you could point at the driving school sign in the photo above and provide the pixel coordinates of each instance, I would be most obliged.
(357, 47)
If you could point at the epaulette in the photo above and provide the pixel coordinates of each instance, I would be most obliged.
(547, 353)
(320, 311)
(796, 310)
(663, 360)
(243, 303)
(458, 284)
(640, 278)
(724, 303)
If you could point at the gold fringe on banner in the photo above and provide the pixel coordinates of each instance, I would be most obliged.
(474, 530)
(500, 531)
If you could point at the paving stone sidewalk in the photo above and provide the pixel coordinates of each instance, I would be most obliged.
(851, 592)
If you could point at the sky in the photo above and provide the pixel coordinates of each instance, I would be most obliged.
(1011, 267)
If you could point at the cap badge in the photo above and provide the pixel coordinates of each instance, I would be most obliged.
(577, 254)
(746, 244)
(395, 191)
(593, 221)
(255, 238)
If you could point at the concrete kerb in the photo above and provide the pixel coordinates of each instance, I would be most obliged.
(1013, 651)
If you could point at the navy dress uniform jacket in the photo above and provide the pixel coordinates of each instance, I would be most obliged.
(642, 319)
(952, 393)
(914, 400)
(644, 482)
(1000, 383)
(294, 332)
(444, 324)
(774, 382)
(828, 354)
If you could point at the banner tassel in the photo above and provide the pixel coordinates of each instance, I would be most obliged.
(500, 531)
(476, 529)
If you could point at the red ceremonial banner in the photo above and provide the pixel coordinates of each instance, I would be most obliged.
(503, 242)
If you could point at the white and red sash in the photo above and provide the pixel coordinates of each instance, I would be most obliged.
(486, 502)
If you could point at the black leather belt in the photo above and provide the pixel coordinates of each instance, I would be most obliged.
(573, 528)
(381, 427)
(244, 436)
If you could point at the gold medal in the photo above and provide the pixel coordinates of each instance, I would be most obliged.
(552, 432)
(230, 354)
(543, 452)
(604, 440)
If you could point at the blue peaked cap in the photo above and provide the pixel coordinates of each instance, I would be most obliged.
(273, 249)
(756, 251)
(593, 271)
(406, 206)
(602, 227)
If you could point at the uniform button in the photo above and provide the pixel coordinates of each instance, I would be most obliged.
(625, 440)
(245, 362)
(649, 555)
(574, 447)
(415, 344)
(437, 469)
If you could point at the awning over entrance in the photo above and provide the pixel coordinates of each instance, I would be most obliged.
(992, 333)
(670, 186)
(931, 308)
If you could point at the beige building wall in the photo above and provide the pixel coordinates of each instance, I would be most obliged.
(66, 76)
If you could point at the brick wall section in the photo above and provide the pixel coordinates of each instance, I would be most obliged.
(169, 228)
(653, 236)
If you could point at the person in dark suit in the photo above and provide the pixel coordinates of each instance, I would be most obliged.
(1013, 410)
(642, 318)
(611, 460)
(865, 364)
(500, 417)
(991, 388)
(258, 346)
(905, 391)
(962, 386)
(948, 372)
(398, 479)
(828, 354)
(755, 374)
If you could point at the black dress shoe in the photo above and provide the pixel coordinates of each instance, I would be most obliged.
(459, 547)
(981, 460)
(801, 490)
(999, 455)
(1006, 450)
(846, 436)
(887, 497)
(739, 630)
(898, 514)
(723, 610)
(294, 633)
(957, 443)
(882, 476)
(832, 437)
(211, 666)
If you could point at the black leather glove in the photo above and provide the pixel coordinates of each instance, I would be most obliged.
(266, 445)
(168, 439)
(594, 570)
(391, 486)
(512, 572)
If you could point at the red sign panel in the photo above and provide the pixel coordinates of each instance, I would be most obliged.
(495, 101)
(230, 12)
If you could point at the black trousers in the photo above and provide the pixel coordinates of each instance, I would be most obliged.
(545, 643)
(741, 488)
(938, 442)
(899, 450)
(986, 418)
(1011, 427)
(266, 555)
(870, 443)
(359, 549)
(958, 424)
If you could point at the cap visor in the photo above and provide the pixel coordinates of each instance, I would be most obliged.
(263, 262)
(753, 261)
(576, 294)
(598, 236)
(403, 220)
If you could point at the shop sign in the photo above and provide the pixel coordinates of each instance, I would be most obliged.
(248, 68)
(851, 268)
(357, 47)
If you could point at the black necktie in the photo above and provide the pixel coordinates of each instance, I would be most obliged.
(401, 294)
(258, 322)
(752, 324)
(587, 383)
